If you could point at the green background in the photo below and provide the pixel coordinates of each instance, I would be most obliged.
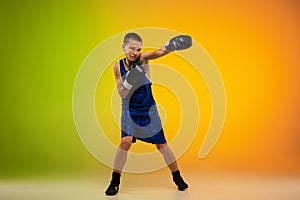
(43, 44)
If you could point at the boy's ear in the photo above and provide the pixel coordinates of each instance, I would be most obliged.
(123, 47)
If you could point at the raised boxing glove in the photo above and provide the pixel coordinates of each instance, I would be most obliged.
(179, 42)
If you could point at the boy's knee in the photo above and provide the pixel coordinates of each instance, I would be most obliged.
(159, 146)
(126, 143)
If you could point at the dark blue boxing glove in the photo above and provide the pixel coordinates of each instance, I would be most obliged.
(135, 73)
(179, 42)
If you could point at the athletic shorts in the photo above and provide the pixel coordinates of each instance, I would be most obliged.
(143, 127)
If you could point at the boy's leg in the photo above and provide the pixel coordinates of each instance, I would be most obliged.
(121, 154)
(120, 160)
(170, 160)
(168, 155)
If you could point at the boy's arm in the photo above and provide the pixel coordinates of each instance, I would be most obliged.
(179, 42)
(121, 90)
(132, 77)
(145, 56)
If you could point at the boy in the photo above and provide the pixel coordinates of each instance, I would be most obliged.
(140, 118)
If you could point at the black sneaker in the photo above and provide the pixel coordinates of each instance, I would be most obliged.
(180, 183)
(112, 189)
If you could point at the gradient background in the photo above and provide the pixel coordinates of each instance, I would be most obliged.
(255, 45)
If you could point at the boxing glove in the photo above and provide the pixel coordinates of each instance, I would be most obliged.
(179, 42)
(135, 73)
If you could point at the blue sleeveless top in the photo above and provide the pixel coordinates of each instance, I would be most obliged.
(140, 98)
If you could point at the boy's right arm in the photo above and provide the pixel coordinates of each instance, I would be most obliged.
(121, 90)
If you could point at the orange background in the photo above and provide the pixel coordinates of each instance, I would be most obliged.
(254, 45)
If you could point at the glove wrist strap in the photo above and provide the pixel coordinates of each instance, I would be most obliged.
(127, 85)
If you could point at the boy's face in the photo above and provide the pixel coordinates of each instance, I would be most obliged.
(132, 49)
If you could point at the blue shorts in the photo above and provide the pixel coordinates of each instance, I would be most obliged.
(143, 127)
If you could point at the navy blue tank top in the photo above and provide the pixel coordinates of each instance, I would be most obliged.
(140, 98)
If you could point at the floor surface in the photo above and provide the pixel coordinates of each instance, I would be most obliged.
(155, 187)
